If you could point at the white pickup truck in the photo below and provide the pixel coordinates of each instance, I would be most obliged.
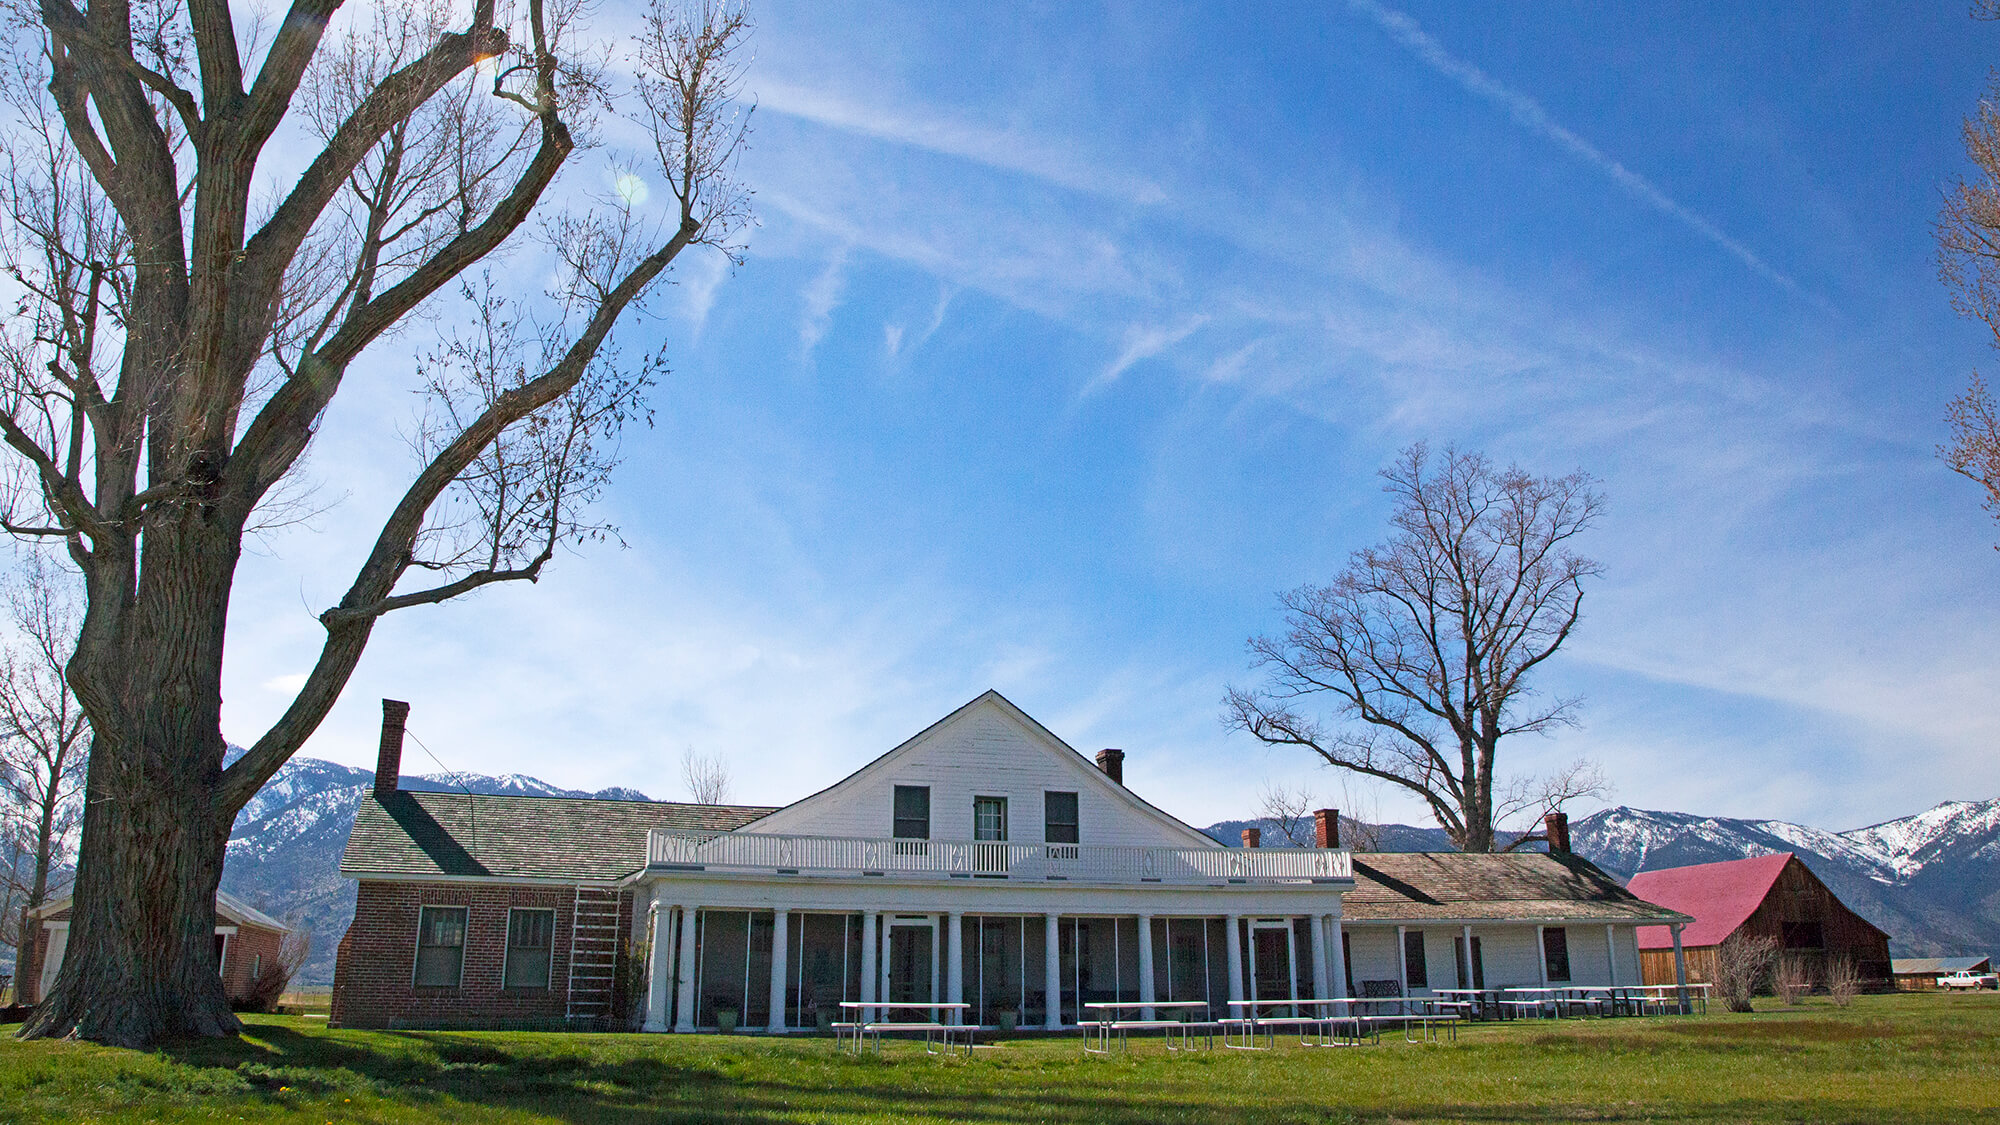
(1966, 978)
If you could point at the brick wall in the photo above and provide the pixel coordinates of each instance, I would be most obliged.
(376, 959)
(252, 949)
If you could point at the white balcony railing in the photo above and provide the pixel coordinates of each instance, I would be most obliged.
(949, 859)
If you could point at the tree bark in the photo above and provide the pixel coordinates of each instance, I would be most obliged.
(140, 965)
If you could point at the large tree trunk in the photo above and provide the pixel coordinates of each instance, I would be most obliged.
(141, 960)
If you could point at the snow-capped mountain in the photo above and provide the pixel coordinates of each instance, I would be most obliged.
(1931, 880)
(284, 851)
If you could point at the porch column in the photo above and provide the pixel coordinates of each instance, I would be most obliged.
(1052, 971)
(1542, 954)
(684, 1019)
(1402, 963)
(1469, 970)
(1337, 957)
(781, 925)
(1680, 969)
(1146, 996)
(660, 974)
(954, 959)
(1233, 943)
(867, 961)
(1611, 953)
(1318, 929)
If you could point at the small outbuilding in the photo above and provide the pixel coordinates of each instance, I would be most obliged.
(1920, 974)
(1774, 896)
(247, 941)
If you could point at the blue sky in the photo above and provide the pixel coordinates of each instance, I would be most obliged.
(1071, 333)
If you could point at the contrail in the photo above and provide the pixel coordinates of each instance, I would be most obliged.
(1529, 113)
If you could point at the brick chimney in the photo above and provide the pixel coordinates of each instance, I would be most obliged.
(389, 759)
(1326, 828)
(1558, 832)
(1112, 762)
(1252, 837)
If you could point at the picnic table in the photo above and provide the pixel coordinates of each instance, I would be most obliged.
(937, 1033)
(1357, 1018)
(1113, 1023)
(1666, 994)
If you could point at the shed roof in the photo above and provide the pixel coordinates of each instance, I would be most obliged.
(228, 909)
(417, 835)
(1938, 966)
(1513, 886)
(1720, 896)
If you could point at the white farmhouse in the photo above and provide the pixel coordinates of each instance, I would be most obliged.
(982, 862)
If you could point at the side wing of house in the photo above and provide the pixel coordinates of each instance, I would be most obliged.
(985, 768)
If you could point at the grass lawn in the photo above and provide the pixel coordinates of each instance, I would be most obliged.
(1908, 1058)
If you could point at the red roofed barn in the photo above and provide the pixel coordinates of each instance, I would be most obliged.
(1766, 895)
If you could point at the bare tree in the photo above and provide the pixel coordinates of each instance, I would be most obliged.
(1424, 645)
(705, 778)
(1792, 978)
(1968, 242)
(208, 223)
(1361, 827)
(1289, 812)
(43, 739)
(1742, 966)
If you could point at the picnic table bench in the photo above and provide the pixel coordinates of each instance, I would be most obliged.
(937, 1033)
(1101, 1030)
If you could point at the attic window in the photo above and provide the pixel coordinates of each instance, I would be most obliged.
(913, 812)
(1060, 823)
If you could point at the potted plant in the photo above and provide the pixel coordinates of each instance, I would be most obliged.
(725, 1020)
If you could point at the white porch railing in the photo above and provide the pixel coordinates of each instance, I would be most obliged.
(947, 859)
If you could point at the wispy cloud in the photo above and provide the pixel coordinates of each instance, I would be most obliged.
(934, 131)
(822, 296)
(1143, 342)
(1529, 114)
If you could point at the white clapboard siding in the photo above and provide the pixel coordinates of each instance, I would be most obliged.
(987, 748)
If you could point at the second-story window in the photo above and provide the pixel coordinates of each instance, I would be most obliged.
(989, 818)
(1060, 825)
(913, 812)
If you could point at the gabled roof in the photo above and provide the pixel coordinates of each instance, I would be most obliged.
(228, 909)
(1720, 896)
(1512, 886)
(1086, 771)
(1939, 966)
(418, 835)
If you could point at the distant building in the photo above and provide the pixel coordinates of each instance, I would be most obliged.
(1920, 974)
(247, 940)
(1768, 895)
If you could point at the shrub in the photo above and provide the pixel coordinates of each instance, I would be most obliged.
(1741, 964)
(1842, 982)
(277, 973)
(1793, 978)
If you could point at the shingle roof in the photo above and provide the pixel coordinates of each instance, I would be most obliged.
(1720, 896)
(1938, 966)
(408, 834)
(1515, 886)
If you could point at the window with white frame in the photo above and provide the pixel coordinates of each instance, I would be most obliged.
(989, 819)
(530, 940)
(440, 946)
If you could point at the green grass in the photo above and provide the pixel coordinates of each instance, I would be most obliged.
(1923, 1058)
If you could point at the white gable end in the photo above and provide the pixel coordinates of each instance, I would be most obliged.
(986, 749)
